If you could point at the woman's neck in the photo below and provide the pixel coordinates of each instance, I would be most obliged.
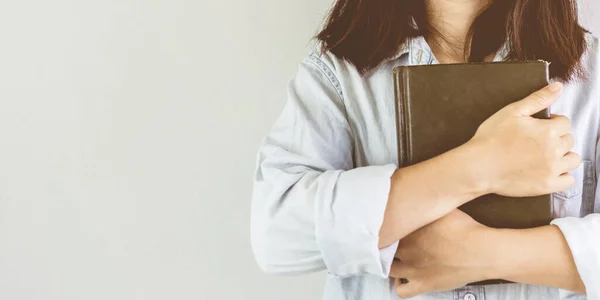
(451, 21)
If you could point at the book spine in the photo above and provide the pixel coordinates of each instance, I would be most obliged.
(407, 117)
(401, 91)
(398, 104)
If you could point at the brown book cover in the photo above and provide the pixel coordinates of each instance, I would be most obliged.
(440, 107)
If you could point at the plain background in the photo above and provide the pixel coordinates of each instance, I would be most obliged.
(128, 133)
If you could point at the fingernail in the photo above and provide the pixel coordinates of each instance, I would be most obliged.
(555, 87)
(403, 280)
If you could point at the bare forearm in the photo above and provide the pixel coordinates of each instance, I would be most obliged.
(491, 162)
(425, 192)
(538, 256)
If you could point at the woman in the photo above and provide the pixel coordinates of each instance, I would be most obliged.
(328, 194)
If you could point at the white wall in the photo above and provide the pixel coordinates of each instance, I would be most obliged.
(591, 15)
(128, 131)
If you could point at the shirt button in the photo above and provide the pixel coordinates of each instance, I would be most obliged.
(469, 296)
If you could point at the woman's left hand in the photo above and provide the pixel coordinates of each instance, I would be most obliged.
(446, 254)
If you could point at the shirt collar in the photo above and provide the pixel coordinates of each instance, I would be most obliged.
(417, 49)
(420, 53)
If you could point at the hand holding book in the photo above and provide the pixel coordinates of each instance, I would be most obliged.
(488, 124)
(498, 115)
(525, 156)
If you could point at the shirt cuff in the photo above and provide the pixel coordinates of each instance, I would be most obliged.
(583, 237)
(348, 224)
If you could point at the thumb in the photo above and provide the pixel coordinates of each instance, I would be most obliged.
(537, 101)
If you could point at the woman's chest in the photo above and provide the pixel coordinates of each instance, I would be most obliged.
(372, 118)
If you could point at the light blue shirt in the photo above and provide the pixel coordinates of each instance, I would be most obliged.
(323, 179)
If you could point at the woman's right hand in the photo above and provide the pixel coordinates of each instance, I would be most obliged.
(523, 156)
(511, 154)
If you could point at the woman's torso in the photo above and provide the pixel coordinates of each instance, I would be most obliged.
(369, 104)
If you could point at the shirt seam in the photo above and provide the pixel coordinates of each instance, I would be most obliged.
(328, 73)
(326, 70)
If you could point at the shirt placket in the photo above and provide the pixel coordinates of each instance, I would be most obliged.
(469, 293)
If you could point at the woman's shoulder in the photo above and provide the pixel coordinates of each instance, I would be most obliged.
(338, 71)
(326, 59)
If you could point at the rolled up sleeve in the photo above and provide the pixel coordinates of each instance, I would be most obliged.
(311, 209)
(583, 237)
(348, 222)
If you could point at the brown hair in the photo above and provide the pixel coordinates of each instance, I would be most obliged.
(368, 32)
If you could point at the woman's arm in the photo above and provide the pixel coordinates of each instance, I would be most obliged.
(534, 256)
(511, 154)
(456, 250)
(425, 192)
(312, 210)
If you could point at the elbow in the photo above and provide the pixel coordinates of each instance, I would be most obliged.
(268, 266)
(282, 238)
(281, 252)
(266, 251)
(265, 239)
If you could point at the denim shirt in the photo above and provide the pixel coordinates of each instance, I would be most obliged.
(323, 178)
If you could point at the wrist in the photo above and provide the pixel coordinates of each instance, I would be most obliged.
(498, 254)
(538, 256)
(476, 167)
(495, 260)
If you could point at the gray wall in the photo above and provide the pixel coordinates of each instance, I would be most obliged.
(128, 131)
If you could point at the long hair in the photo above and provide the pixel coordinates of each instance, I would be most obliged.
(368, 32)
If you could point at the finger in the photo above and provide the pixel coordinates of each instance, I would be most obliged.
(537, 101)
(566, 143)
(406, 283)
(561, 125)
(564, 182)
(401, 269)
(570, 162)
(408, 290)
(405, 251)
(398, 269)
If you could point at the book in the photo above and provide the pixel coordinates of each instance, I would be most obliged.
(440, 107)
